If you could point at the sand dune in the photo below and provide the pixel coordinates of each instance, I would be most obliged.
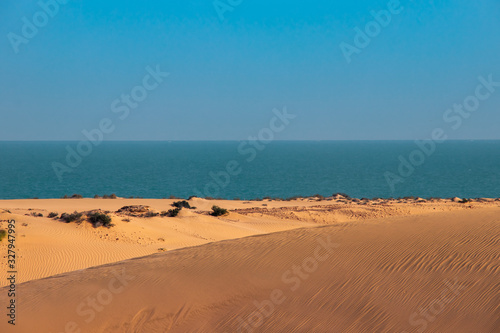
(432, 272)
(47, 247)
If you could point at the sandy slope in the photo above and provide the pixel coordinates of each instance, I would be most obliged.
(46, 247)
(433, 272)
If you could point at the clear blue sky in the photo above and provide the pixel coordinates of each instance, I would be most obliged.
(227, 76)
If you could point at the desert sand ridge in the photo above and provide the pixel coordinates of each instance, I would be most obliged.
(386, 267)
(378, 276)
(47, 247)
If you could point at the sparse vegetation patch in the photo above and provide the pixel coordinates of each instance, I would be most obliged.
(150, 213)
(182, 204)
(73, 217)
(98, 219)
(218, 211)
(3, 234)
(173, 212)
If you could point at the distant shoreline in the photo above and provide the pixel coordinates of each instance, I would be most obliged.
(317, 197)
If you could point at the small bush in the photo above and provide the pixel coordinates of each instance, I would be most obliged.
(172, 212)
(182, 204)
(52, 215)
(64, 197)
(74, 217)
(76, 196)
(217, 211)
(3, 234)
(150, 214)
(113, 196)
(99, 219)
(96, 196)
(465, 201)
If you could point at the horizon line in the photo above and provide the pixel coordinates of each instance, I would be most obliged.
(240, 140)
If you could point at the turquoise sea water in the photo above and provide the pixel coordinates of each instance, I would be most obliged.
(282, 169)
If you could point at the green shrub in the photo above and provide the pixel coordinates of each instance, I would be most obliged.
(52, 215)
(3, 234)
(182, 204)
(171, 212)
(217, 211)
(73, 217)
(76, 196)
(98, 219)
(150, 214)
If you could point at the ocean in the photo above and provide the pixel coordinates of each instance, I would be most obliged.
(232, 169)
